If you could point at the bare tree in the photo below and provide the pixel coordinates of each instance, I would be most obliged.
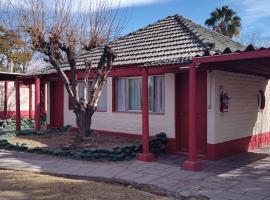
(255, 40)
(60, 30)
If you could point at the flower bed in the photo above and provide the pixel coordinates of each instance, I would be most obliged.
(116, 153)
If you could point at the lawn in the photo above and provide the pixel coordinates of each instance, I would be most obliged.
(18, 185)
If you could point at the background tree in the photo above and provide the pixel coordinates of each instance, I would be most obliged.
(14, 55)
(59, 30)
(255, 39)
(225, 21)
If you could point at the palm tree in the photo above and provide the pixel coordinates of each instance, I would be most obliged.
(225, 21)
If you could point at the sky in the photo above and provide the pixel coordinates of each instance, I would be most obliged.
(255, 14)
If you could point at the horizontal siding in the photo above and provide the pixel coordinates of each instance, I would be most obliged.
(244, 118)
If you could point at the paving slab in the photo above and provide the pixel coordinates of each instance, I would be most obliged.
(245, 176)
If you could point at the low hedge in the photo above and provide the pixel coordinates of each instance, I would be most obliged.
(10, 124)
(117, 153)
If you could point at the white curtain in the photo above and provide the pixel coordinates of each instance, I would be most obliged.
(135, 94)
(121, 94)
(151, 93)
(102, 103)
(159, 93)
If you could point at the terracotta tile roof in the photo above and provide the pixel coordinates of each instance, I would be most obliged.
(172, 40)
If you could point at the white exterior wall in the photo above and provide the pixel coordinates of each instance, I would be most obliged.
(11, 98)
(244, 118)
(131, 122)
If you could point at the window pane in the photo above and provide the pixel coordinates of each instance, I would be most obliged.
(102, 103)
(159, 93)
(121, 94)
(135, 94)
(80, 89)
(150, 93)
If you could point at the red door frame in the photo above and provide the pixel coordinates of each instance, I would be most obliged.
(182, 112)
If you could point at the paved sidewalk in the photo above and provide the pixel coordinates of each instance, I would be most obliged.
(242, 177)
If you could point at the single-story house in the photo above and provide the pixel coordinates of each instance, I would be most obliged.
(208, 93)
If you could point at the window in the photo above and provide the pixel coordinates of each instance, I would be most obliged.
(129, 94)
(102, 103)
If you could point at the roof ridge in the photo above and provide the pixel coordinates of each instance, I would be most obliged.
(181, 19)
(145, 27)
(189, 21)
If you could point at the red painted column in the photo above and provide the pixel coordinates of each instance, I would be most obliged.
(145, 155)
(18, 112)
(37, 103)
(5, 99)
(192, 163)
(30, 101)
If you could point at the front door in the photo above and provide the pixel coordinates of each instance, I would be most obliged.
(56, 104)
(181, 111)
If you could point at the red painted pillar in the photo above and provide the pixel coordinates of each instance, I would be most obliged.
(37, 103)
(18, 112)
(145, 155)
(192, 163)
(5, 99)
(30, 102)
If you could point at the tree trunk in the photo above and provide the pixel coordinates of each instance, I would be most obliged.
(84, 120)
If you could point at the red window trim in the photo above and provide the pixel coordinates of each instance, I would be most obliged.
(114, 96)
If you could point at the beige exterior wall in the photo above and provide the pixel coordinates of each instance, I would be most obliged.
(131, 122)
(244, 118)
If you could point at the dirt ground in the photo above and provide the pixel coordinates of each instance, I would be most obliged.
(18, 185)
(58, 140)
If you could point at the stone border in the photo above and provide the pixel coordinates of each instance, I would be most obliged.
(117, 153)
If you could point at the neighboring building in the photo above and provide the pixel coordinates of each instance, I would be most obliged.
(232, 90)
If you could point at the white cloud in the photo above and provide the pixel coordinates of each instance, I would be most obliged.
(254, 10)
(117, 3)
(77, 4)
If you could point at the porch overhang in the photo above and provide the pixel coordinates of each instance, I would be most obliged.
(250, 61)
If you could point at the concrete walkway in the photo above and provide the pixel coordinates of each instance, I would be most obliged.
(245, 176)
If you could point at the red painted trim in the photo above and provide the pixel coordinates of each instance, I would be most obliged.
(56, 103)
(127, 70)
(42, 98)
(233, 56)
(171, 146)
(228, 148)
(5, 98)
(30, 101)
(37, 103)
(192, 164)
(145, 155)
(18, 117)
(12, 114)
